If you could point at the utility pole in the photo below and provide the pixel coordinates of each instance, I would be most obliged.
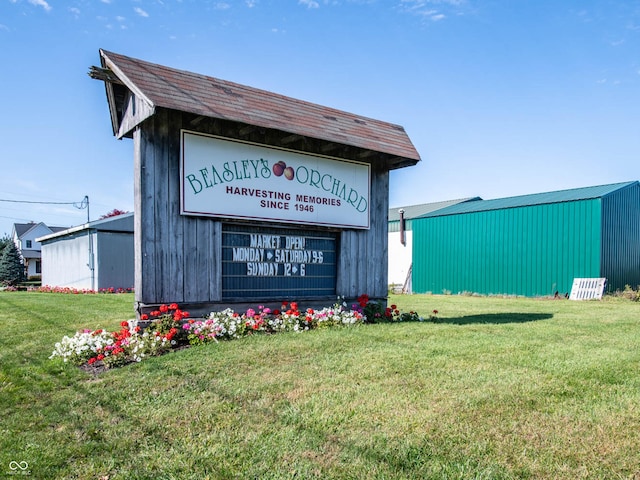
(91, 257)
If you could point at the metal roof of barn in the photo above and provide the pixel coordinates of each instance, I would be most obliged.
(571, 195)
(163, 87)
(122, 223)
(416, 211)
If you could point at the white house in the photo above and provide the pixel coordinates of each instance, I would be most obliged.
(93, 256)
(25, 236)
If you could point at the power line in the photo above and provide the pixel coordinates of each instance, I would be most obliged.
(42, 203)
(79, 205)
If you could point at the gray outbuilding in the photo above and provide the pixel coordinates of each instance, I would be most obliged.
(98, 255)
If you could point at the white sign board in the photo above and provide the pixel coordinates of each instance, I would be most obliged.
(225, 178)
(587, 288)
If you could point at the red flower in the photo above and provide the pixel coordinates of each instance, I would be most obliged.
(435, 312)
(100, 357)
(363, 300)
(393, 307)
(294, 305)
(276, 312)
(144, 316)
(92, 360)
(155, 313)
(164, 308)
(173, 306)
(124, 323)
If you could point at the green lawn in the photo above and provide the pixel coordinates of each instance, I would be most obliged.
(497, 389)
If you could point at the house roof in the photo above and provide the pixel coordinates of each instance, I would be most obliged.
(416, 211)
(571, 195)
(22, 228)
(164, 87)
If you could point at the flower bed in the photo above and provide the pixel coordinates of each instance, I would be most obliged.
(80, 291)
(170, 328)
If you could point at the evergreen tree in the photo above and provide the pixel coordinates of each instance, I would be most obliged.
(4, 241)
(11, 267)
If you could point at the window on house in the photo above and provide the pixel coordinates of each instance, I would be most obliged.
(28, 243)
(38, 266)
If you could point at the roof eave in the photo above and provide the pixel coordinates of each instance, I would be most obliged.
(122, 128)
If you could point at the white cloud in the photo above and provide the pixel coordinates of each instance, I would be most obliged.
(120, 18)
(140, 12)
(251, 3)
(308, 3)
(431, 9)
(75, 11)
(5, 28)
(222, 6)
(41, 3)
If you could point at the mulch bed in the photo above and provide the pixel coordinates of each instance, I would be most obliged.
(99, 367)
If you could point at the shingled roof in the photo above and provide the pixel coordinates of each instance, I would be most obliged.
(163, 87)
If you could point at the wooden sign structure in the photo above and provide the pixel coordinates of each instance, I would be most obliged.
(244, 196)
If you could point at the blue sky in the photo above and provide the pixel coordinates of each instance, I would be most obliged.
(500, 97)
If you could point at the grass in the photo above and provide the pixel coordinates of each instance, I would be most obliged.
(498, 389)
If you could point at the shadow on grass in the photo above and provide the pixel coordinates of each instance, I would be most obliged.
(496, 318)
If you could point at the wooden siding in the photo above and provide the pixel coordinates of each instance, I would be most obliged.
(136, 111)
(362, 265)
(178, 258)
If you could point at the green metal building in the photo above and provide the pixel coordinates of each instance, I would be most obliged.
(400, 241)
(531, 245)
